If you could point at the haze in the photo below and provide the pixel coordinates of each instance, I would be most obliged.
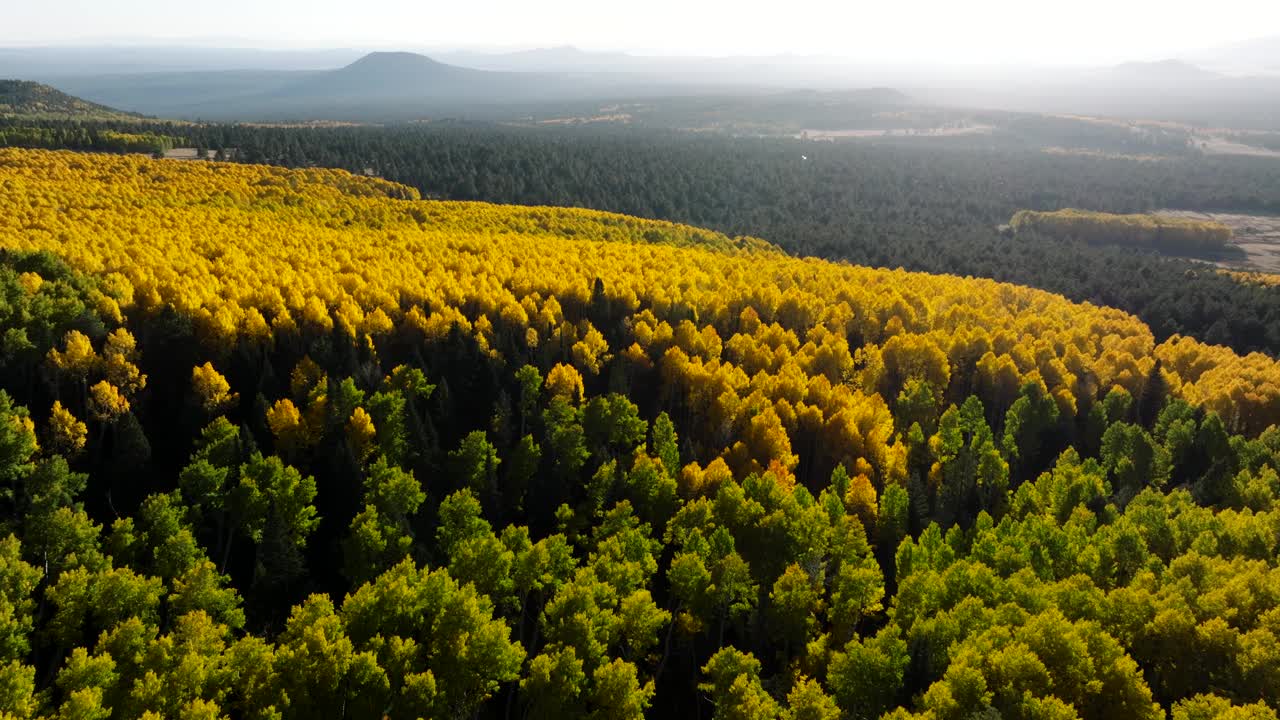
(979, 32)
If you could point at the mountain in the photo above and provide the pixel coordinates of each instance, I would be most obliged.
(1175, 90)
(570, 84)
(1259, 56)
(1163, 73)
(49, 63)
(387, 69)
(563, 59)
(188, 95)
(26, 98)
(381, 86)
(774, 71)
(392, 86)
(403, 77)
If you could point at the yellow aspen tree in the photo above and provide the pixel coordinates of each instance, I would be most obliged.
(78, 358)
(287, 425)
(212, 389)
(106, 404)
(361, 433)
(862, 501)
(66, 433)
(566, 382)
(30, 282)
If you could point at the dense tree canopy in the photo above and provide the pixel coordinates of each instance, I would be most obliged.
(1176, 235)
(287, 444)
(927, 204)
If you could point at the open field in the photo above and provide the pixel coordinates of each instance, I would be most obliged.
(1214, 144)
(1085, 152)
(1209, 140)
(192, 153)
(854, 133)
(603, 118)
(1258, 236)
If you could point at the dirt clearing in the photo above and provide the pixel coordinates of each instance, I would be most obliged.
(1257, 236)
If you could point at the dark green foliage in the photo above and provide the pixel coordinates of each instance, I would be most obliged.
(494, 550)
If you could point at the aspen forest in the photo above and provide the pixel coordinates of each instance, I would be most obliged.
(1153, 231)
(296, 443)
(930, 208)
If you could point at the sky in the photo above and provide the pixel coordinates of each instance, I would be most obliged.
(1078, 32)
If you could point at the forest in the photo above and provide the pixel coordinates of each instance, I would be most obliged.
(931, 207)
(1268, 140)
(82, 137)
(1166, 234)
(35, 101)
(297, 443)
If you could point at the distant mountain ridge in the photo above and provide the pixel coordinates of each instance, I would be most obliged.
(542, 83)
(48, 63)
(564, 58)
(1248, 57)
(380, 86)
(1161, 73)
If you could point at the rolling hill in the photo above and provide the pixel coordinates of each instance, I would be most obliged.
(26, 98)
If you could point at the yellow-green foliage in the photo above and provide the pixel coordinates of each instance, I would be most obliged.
(929, 562)
(1154, 231)
(768, 346)
(30, 136)
(136, 142)
(1253, 278)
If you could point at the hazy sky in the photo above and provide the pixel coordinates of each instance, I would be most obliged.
(973, 31)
